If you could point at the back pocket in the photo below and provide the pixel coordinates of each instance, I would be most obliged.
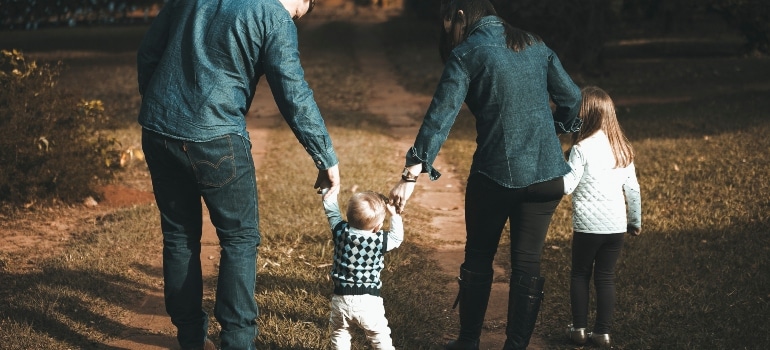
(212, 161)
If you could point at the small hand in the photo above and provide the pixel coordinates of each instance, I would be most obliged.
(391, 209)
(633, 231)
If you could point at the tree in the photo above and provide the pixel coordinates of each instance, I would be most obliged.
(751, 18)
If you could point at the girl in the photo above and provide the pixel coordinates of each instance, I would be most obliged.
(602, 181)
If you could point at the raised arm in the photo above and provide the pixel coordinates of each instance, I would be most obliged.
(396, 230)
(331, 208)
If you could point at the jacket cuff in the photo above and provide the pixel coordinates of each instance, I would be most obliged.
(412, 159)
(570, 127)
(326, 160)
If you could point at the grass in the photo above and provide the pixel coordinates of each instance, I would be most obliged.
(696, 277)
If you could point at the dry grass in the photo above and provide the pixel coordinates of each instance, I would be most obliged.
(696, 278)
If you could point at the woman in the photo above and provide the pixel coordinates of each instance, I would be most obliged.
(507, 77)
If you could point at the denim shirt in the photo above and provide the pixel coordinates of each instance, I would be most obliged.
(508, 93)
(199, 65)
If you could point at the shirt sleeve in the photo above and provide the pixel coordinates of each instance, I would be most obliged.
(293, 95)
(395, 233)
(152, 46)
(447, 101)
(332, 210)
(577, 164)
(565, 94)
(633, 195)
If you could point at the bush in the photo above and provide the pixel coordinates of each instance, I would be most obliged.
(50, 147)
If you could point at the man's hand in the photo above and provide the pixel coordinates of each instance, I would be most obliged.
(633, 231)
(329, 178)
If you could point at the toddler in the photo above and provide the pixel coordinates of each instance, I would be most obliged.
(359, 246)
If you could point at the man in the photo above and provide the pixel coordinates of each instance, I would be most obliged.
(198, 68)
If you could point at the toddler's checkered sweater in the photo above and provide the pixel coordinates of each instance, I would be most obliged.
(359, 254)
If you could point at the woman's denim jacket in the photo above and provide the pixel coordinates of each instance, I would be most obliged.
(508, 93)
(199, 64)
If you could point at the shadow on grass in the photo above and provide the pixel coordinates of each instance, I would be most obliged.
(60, 304)
(291, 298)
(694, 289)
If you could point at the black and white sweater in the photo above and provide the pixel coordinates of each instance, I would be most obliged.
(359, 254)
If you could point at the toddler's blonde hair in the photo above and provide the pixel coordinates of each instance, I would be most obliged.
(366, 210)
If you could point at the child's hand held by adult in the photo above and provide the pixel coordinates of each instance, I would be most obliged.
(328, 179)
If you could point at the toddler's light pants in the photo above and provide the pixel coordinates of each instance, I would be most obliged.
(365, 311)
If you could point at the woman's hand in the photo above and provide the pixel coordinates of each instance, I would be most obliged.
(403, 189)
(400, 194)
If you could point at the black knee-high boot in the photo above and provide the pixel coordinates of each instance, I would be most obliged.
(524, 300)
(473, 298)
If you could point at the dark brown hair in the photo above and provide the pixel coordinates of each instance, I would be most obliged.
(474, 10)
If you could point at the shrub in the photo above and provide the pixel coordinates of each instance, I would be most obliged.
(50, 146)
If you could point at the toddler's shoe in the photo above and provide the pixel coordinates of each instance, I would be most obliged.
(577, 335)
(601, 340)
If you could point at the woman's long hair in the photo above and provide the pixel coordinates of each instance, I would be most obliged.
(474, 10)
(598, 113)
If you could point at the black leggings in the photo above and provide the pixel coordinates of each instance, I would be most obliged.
(597, 254)
(488, 206)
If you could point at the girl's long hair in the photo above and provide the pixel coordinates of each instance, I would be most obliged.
(474, 10)
(598, 113)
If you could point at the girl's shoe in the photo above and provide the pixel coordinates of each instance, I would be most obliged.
(577, 335)
(601, 340)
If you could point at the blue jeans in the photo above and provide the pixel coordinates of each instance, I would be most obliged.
(221, 172)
